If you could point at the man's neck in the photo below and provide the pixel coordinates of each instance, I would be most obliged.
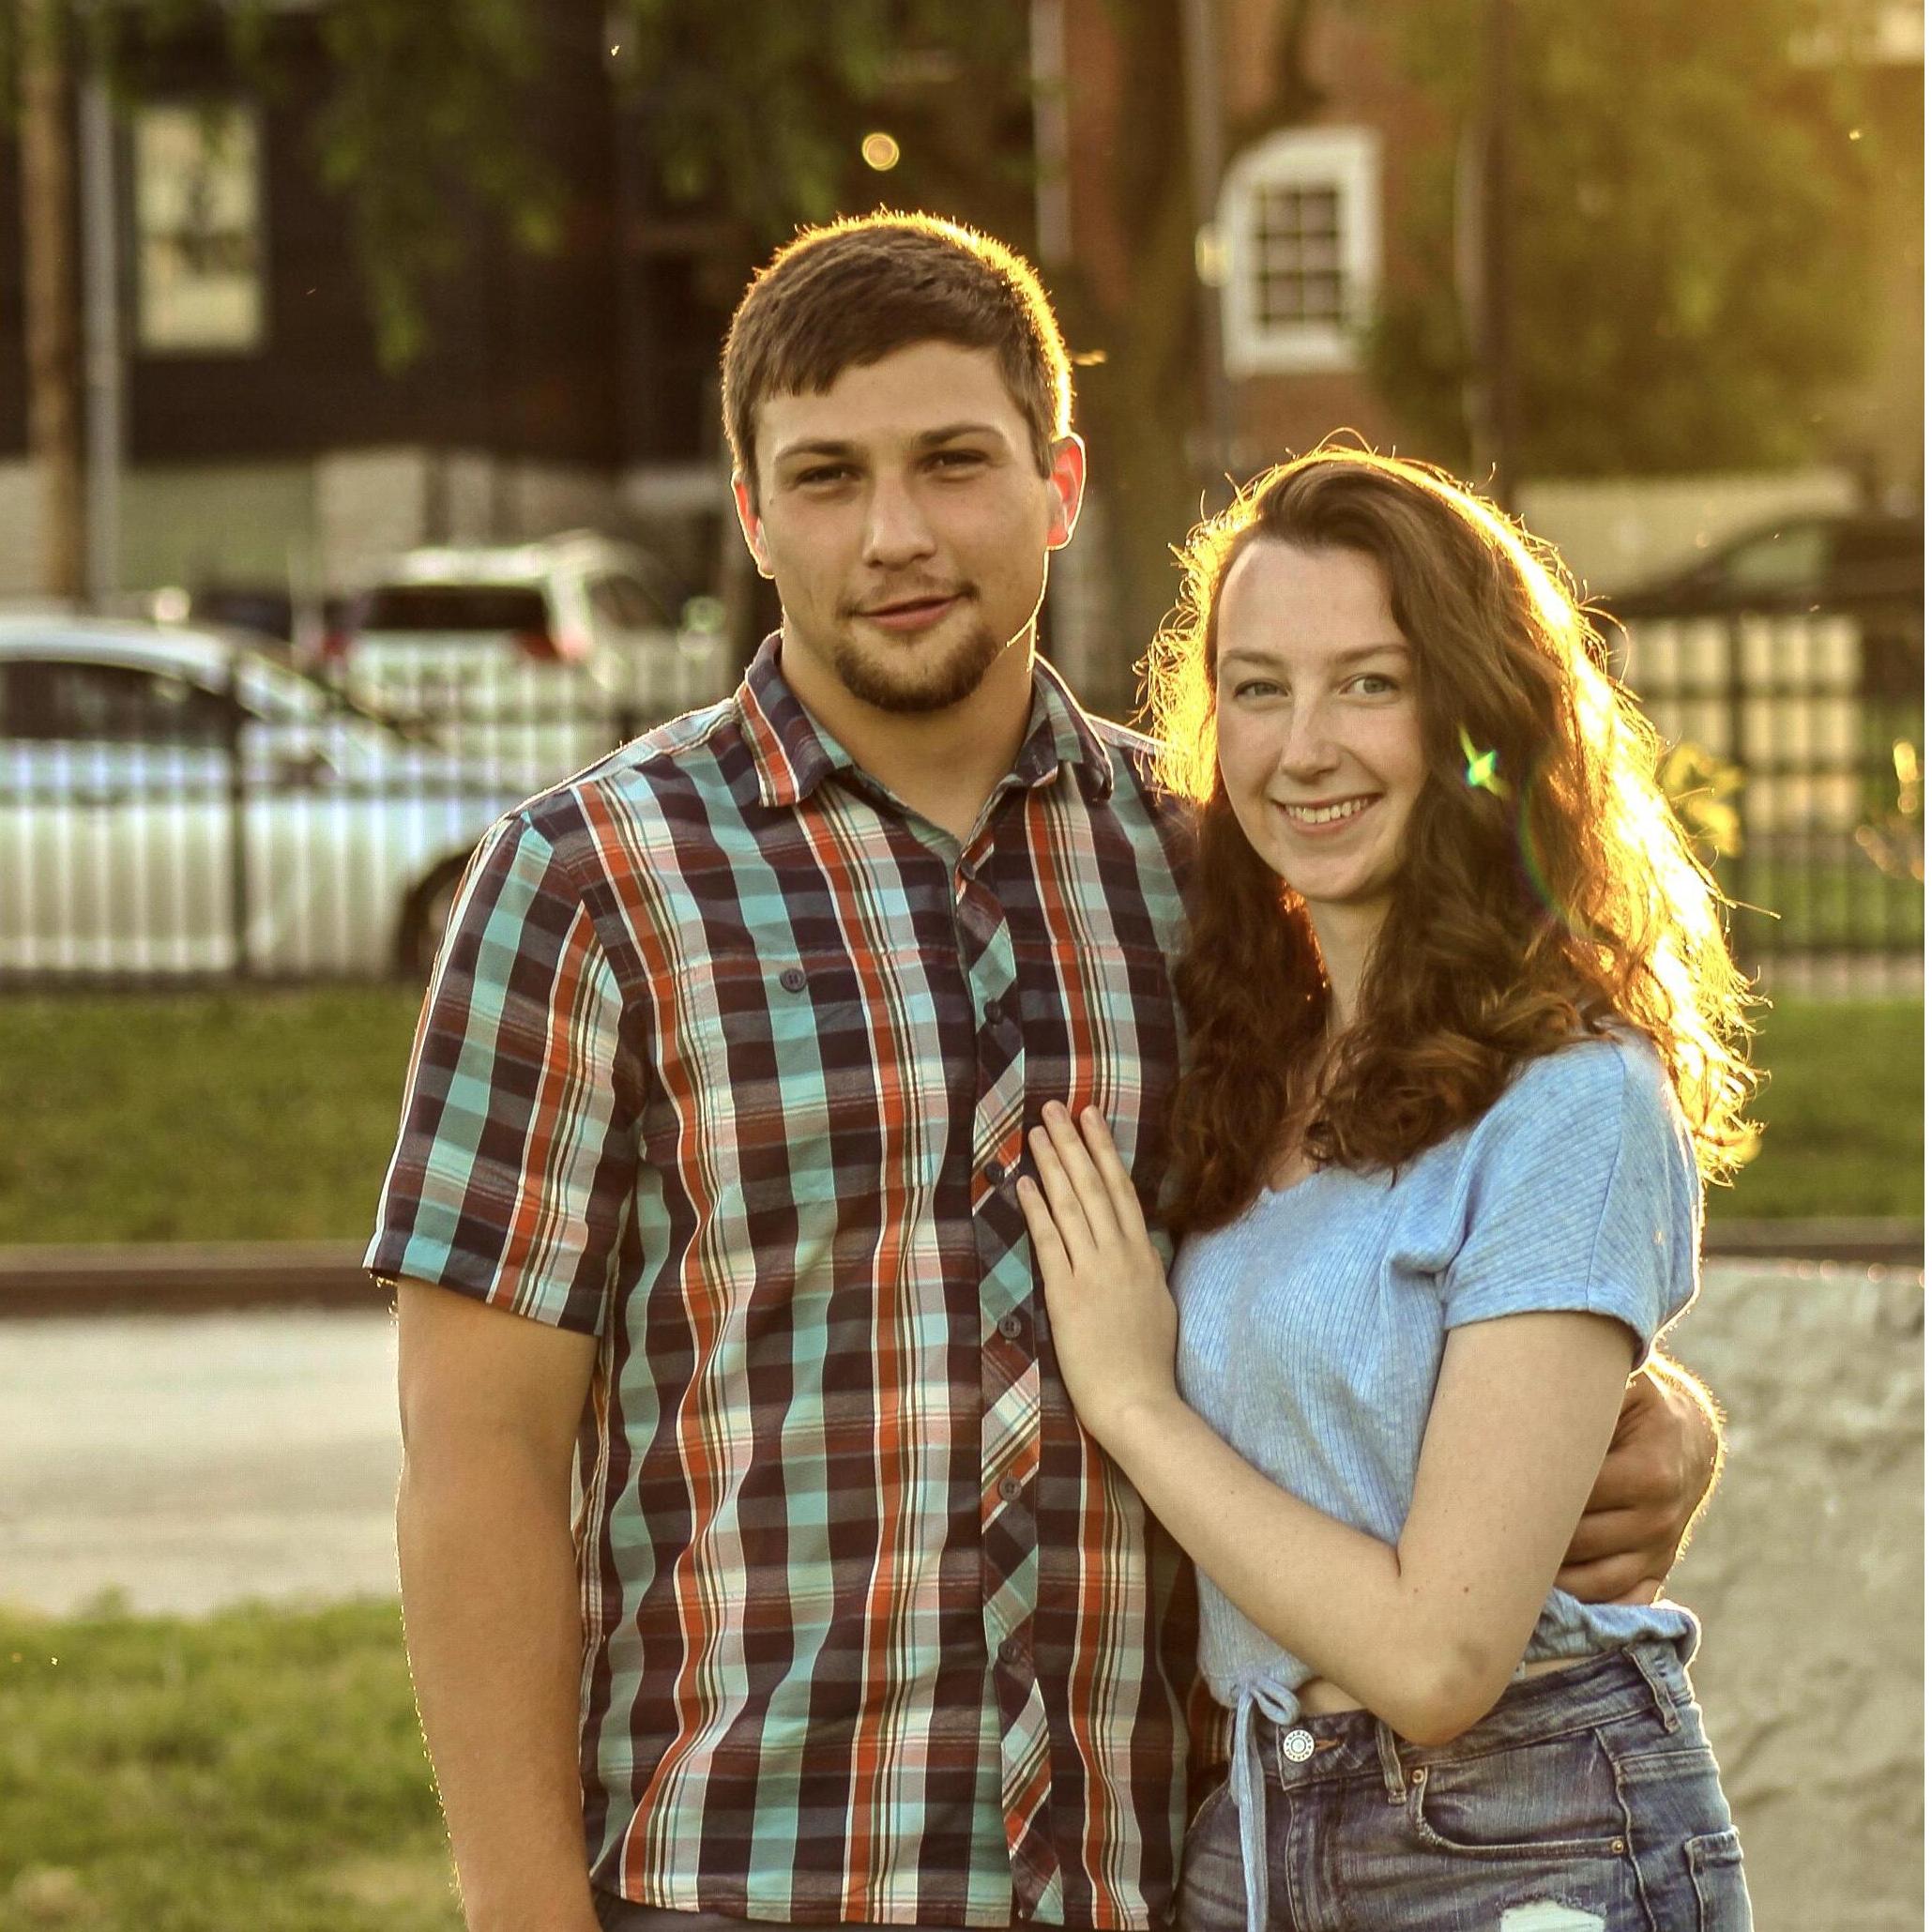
(945, 765)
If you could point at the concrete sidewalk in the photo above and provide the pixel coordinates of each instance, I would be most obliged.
(188, 1461)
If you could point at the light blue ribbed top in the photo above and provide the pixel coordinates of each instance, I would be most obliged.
(1312, 1328)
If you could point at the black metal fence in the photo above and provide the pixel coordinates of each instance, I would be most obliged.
(173, 811)
(1796, 745)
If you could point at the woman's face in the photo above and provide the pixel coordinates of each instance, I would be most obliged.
(1318, 723)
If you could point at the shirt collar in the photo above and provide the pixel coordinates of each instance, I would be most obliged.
(794, 755)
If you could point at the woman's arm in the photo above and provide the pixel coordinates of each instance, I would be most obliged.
(1425, 1634)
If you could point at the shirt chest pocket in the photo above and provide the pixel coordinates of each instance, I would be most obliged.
(789, 1081)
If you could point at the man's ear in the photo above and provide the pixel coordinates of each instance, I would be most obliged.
(750, 523)
(1067, 479)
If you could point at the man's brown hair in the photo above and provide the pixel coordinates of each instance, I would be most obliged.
(854, 291)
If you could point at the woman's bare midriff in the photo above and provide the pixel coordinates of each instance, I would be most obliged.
(1319, 1697)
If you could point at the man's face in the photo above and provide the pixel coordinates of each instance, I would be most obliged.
(907, 526)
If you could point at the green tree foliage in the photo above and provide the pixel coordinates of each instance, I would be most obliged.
(754, 113)
(429, 110)
(1691, 226)
(427, 113)
(757, 110)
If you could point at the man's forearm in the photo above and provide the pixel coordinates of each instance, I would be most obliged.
(496, 1643)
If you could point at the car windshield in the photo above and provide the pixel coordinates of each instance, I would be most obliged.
(450, 609)
(1792, 559)
(283, 691)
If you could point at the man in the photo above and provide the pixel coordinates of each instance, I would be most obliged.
(716, 1105)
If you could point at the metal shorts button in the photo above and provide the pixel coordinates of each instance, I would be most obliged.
(1297, 1746)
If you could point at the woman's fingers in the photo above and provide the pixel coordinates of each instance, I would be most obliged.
(1049, 1251)
(1113, 1172)
(1062, 1198)
(1076, 1160)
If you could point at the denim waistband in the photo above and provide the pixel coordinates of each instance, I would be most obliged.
(1274, 1742)
(1593, 1691)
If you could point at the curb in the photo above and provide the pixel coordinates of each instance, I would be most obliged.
(194, 1277)
(184, 1277)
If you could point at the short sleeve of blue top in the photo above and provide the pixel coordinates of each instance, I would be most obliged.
(1313, 1326)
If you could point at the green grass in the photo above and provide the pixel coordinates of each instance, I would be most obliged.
(1843, 1113)
(256, 1769)
(230, 1116)
(269, 1114)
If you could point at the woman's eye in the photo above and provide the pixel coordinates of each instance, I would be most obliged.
(1374, 684)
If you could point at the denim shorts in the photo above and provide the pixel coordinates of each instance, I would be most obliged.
(1587, 1800)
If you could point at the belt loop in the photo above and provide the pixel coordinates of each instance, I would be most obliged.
(1392, 1781)
(1660, 1690)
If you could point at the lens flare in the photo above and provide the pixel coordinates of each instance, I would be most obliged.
(1479, 772)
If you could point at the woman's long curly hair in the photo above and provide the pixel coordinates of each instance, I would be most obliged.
(1561, 897)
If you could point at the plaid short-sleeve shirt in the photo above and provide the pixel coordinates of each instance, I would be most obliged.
(727, 1061)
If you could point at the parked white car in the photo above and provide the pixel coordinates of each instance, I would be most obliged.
(175, 802)
(543, 655)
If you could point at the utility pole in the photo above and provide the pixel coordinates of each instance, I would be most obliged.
(1206, 162)
(101, 231)
(47, 224)
(1487, 261)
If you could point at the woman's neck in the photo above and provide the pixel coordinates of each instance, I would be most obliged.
(1345, 935)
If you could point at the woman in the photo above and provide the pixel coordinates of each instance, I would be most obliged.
(1464, 1036)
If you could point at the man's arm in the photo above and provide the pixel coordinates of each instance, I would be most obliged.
(1661, 1469)
(490, 1403)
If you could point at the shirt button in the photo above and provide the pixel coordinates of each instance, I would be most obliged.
(1010, 1326)
(995, 1173)
(1297, 1746)
(1011, 1650)
(994, 1012)
(1010, 1488)
(793, 979)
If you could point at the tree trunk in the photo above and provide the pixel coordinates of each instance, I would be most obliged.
(52, 310)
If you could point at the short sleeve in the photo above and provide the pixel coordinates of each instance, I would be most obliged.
(515, 1169)
(1580, 1191)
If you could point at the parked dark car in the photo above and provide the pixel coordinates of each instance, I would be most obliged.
(1866, 565)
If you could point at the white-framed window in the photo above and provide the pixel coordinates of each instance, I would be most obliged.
(198, 229)
(1300, 233)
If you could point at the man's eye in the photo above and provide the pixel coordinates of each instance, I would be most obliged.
(957, 459)
(824, 473)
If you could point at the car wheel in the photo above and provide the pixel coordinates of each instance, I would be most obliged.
(423, 921)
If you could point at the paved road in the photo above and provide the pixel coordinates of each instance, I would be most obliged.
(193, 1460)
